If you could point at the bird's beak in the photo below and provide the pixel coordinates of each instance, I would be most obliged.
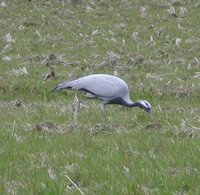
(149, 114)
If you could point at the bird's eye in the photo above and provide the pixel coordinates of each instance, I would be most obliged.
(148, 106)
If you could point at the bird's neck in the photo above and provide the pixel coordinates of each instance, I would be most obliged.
(126, 102)
(132, 104)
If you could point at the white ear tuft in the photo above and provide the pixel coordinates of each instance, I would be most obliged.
(146, 104)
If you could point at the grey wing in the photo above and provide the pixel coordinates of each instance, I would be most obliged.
(98, 86)
(66, 85)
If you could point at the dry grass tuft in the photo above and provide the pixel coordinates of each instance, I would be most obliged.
(49, 127)
(50, 74)
(153, 126)
(109, 61)
(106, 128)
(19, 71)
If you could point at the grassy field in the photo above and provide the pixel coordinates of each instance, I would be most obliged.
(154, 45)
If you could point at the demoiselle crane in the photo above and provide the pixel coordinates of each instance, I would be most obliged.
(108, 88)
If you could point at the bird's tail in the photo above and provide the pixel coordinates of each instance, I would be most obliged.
(64, 85)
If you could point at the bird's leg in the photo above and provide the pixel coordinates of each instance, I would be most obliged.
(83, 99)
(104, 116)
(75, 110)
(124, 108)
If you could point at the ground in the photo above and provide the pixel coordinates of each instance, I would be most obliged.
(48, 147)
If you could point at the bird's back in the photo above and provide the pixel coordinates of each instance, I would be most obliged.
(103, 86)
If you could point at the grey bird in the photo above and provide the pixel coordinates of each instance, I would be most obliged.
(108, 88)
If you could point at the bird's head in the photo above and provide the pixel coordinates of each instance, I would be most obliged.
(145, 105)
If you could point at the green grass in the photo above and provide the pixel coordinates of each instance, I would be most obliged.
(128, 153)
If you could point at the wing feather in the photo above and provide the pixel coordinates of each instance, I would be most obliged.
(100, 85)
